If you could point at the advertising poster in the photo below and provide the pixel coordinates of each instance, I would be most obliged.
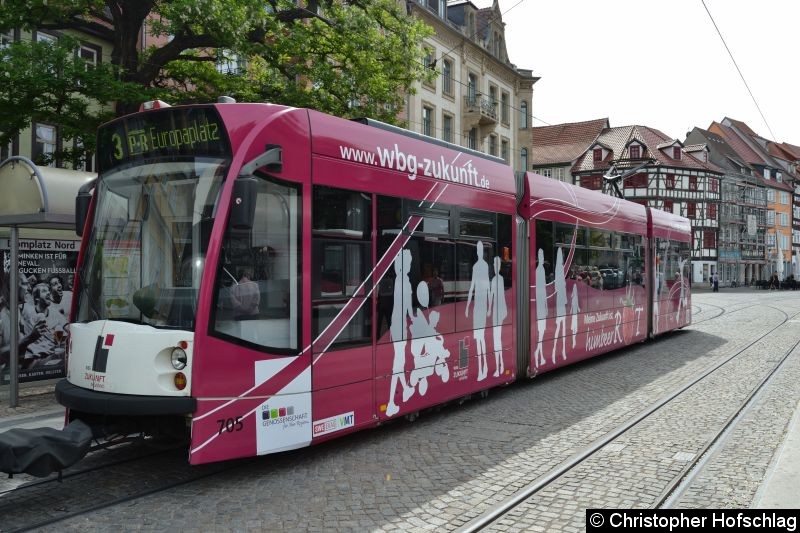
(46, 275)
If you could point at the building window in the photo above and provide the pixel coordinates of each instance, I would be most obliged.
(709, 239)
(784, 198)
(635, 151)
(592, 182)
(523, 159)
(558, 173)
(45, 38)
(546, 172)
(691, 210)
(597, 155)
(692, 183)
(639, 180)
(5, 40)
(44, 143)
(472, 139)
(771, 196)
(472, 88)
(523, 114)
(504, 150)
(493, 144)
(667, 206)
(504, 97)
(427, 121)
(712, 211)
(88, 55)
(670, 181)
(5, 151)
(676, 152)
(429, 65)
(766, 174)
(447, 128)
(493, 102)
(447, 77)
(230, 63)
(713, 184)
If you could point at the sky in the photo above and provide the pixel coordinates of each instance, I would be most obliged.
(659, 64)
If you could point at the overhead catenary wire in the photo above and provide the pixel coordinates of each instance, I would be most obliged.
(737, 68)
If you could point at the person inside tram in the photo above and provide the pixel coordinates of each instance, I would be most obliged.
(245, 297)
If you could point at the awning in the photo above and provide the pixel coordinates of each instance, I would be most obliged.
(38, 197)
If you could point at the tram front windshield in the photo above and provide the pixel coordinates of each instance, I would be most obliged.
(148, 243)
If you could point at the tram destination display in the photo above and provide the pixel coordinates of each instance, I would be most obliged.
(172, 132)
(46, 275)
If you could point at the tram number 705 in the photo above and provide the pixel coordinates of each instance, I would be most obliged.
(229, 425)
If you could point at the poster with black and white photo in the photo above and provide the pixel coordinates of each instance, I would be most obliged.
(44, 292)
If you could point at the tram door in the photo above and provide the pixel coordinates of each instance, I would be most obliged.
(341, 309)
(253, 377)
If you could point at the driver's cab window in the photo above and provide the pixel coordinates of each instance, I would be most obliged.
(258, 283)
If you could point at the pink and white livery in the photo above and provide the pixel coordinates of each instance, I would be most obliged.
(264, 278)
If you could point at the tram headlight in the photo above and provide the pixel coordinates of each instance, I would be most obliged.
(179, 359)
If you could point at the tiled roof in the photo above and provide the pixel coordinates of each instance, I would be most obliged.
(563, 143)
(741, 126)
(694, 147)
(738, 144)
(791, 149)
(651, 138)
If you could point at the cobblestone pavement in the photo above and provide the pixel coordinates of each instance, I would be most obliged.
(451, 466)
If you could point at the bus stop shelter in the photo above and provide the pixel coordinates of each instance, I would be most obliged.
(33, 197)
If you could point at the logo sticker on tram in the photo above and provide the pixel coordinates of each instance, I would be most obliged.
(334, 423)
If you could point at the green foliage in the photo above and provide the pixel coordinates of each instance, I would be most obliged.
(43, 82)
(352, 57)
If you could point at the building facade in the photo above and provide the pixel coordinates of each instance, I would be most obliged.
(778, 177)
(741, 244)
(40, 141)
(479, 99)
(669, 177)
(557, 148)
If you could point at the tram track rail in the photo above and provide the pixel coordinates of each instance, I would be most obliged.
(69, 508)
(678, 487)
(680, 484)
(71, 473)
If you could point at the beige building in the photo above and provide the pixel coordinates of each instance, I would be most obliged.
(44, 139)
(479, 99)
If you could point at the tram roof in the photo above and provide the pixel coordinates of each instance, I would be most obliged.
(554, 199)
(670, 226)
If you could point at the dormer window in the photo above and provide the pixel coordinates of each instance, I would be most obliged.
(779, 177)
(597, 155)
(635, 151)
(766, 173)
(676, 152)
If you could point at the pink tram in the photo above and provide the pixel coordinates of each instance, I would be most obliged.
(269, 278)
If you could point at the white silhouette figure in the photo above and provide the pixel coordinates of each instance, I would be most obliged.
(400, 312)
(682, 300)
(498, 312)
(561, 306)
(480, 287)
(541, 309)
(427, 346)
(574, 310)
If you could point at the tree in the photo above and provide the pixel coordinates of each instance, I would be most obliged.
(350, 57)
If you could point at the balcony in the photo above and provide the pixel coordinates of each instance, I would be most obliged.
(480, 110)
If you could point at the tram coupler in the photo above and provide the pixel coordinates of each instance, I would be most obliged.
(42, 451)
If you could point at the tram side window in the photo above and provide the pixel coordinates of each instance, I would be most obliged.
(672, 265)
(433, 264)
(341, 255)
(544, 244)
(258, 289)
